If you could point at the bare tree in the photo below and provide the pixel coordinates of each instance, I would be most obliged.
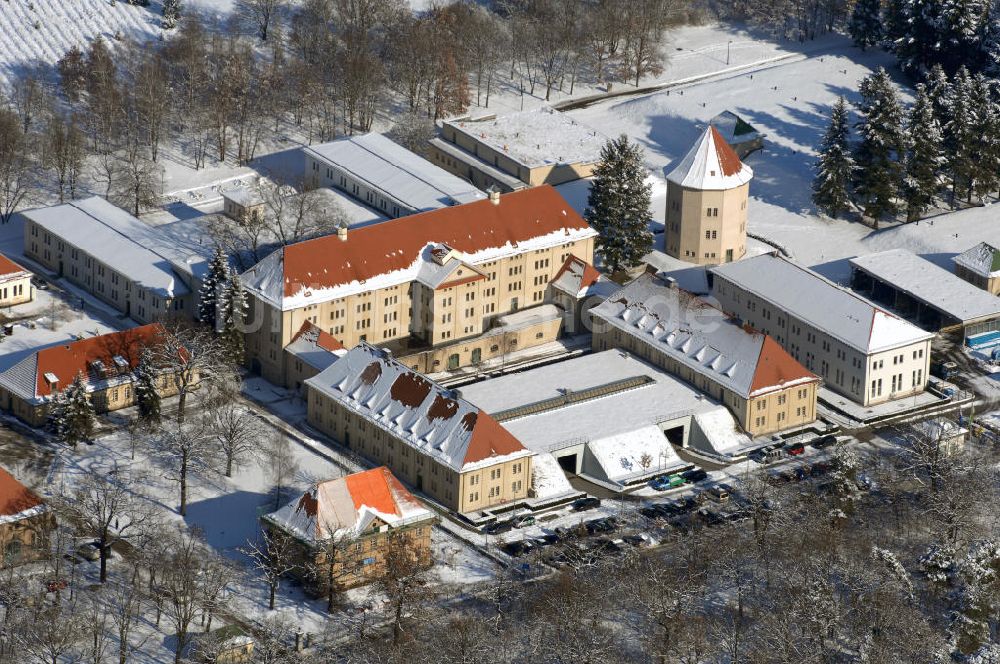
(237, 431)
(184, 449)
(281, 464)
(124, 602)
(17, 165)
(107, 507)
(64, 154)
(332, 564)
(274, 555)
(403, 580)
(260, 13)
(187, 356)
(292, 214)
(49, 633)
(645, 23)
(137, 179)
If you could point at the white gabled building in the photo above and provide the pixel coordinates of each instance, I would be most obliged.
(860, 350)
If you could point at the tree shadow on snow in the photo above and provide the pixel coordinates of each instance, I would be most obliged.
(229, 520)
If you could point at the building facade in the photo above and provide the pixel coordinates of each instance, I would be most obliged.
(525, 149)
(343, 528)
(25, 523)
(764, 388)
(416, 283)
(429, 437)
(15, 283)
(107, 363)
(707, 195)
(860, 350)
(107, 252)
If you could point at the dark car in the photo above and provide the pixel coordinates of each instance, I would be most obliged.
(651, 512)
(518, 548)
(694, 475)
(588, 503)
(824, 441)
(498, 527)
(547, 539)
(603, 545)
(605, 525)
(796, 449)
(522, 521)
(686, 504)
(709, 517)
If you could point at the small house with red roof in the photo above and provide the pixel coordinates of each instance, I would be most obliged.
(428, 435)
(25, 522)
(15, 283)
(764, 387)
(342, 527)
(577, 287)
(707, 195)
(107, 362)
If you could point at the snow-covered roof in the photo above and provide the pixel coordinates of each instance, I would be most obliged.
(710, 164)
(939, 428)
(547, 477)
(536, 137)
(243, 196)
(432, 419)
(402, 176)
(104, 360)
(349, 507)
(580, 279)
(701, 337)
(612, 396)
(17, 501)
(136, 250)
(982, 259)
(832, 309)
(315, 347)
(930, 284)
(398, 251)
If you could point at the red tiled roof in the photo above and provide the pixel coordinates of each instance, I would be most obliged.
(69, 360)
(394, 245)
(323, 339)
(776, 367)
(14, 496)
(374, 489)
(590, 274)
(730, 162)
(7, 266)
(489, 439)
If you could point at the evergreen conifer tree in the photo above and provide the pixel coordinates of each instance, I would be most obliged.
(235, 311)
(960, 140)
(924, 157)
(865, 26)
(618, 206)
(147, 396)
(211, 287)
(987, 131)
(171, 14)
(71, 417)
(835, 168)
(939, 94)
(881, 147)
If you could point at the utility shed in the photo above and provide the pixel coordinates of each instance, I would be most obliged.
(932, 297)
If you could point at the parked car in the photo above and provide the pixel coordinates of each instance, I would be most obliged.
(824, 441)
(686, 504)
(820, 468)
(720, 492)
(40, 284)
(89, 551)
(588, 503)
(694, 475)
(522, 521)
(651, 512)
(547, 539)
(497, 528)
(518, 548)
(709, 517)
(605, 546)
(795, 449)
(606, 525)
(943, 370)
(659, 483)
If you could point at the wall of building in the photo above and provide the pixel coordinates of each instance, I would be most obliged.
(491, 485)
(991, 284)
(384, 315)
(101, 279)
(16, 290)
(706, 227)
(844, 369)
(25, 540)
(774, 411)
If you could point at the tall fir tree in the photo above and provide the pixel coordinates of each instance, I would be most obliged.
(960, 140)
(835, 168)
(211, 287)
(865, 26)
(171, 14)
(881, 147)
(618, 205)
(71, 416)
(924, 157)
(236, 306)
(147, 396)
(939, 94)
(987, 129)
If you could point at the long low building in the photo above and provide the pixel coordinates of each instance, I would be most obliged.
(429, 436)
(136, 268)
(762, 385)
(930, 296)
(385, 176)
(861, 350)
(609, 416)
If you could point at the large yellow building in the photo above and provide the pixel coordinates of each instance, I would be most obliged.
(762, 385)
(427, 281)
(429, 436)
(707, 194)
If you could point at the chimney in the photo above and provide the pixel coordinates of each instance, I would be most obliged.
(671, 282)
(342, 232)
(494, 196)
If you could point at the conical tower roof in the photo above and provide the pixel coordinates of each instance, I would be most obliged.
(711, 164)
